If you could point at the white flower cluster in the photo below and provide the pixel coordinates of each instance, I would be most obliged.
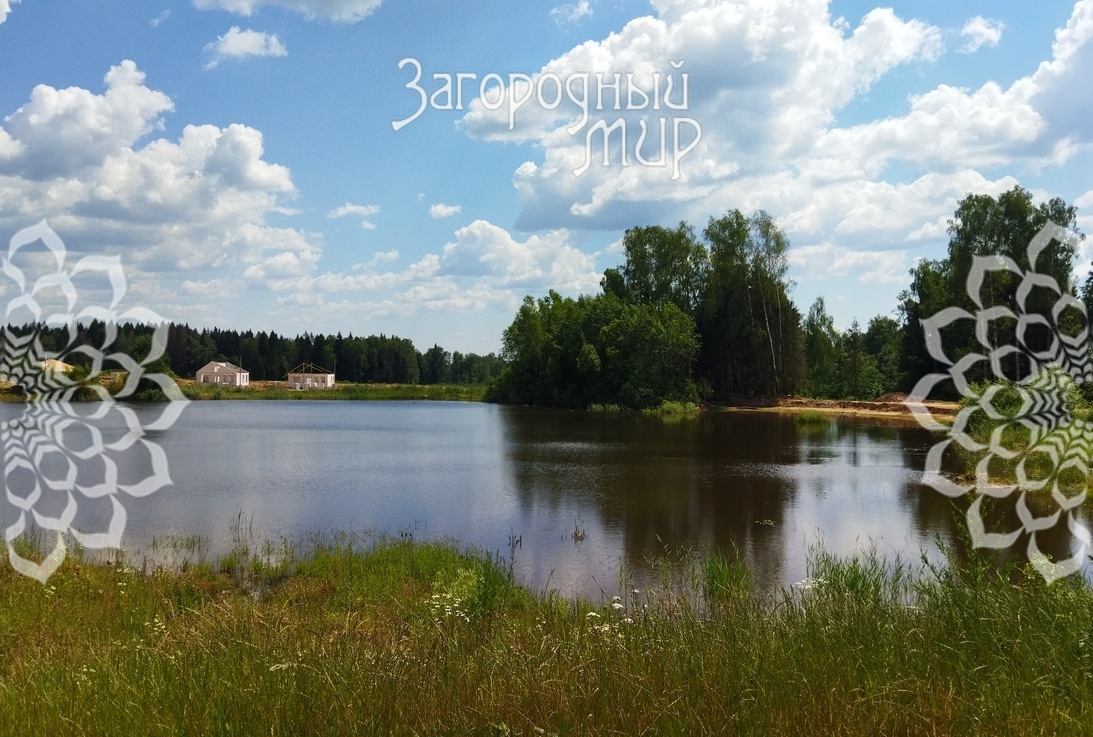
(446, 606)
(612, 620)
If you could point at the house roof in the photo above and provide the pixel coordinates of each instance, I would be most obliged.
(309, 368)
(221, 367)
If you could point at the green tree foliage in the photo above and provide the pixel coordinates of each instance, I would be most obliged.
(436, 366)
(851, 364)
(572, 353)
(614, 283)
(927, 295)
(677, 313)
(749, 326)
(884, 342)
(142, 348)
(662, 266)
(823, 352)
(647, 355)
(471, 368)
(987, 226)
(860, 378)
(1087, 294)
(251, 356)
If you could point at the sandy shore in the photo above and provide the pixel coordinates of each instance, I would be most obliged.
(889, 406)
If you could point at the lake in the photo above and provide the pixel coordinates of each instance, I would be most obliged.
(588, 495)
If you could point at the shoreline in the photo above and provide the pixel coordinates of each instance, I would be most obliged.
(266, 390)
(886, 409)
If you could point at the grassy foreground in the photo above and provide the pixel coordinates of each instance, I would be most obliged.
(454, 392)
(420, 638)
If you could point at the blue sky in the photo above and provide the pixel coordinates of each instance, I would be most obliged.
(239, 155)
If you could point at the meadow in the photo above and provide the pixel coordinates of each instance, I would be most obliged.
(340, 634)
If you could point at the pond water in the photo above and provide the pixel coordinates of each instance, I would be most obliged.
(588, 495)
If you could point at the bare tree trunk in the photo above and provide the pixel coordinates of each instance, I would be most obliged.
(770, 335)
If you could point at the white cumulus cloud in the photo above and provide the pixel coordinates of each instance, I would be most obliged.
(283, 265)
(1084, 203)
(827, 260)
(88, 163)
(572, 12)
(981, 32)
(441, 210)
(239, 44)
(349, 209)
(5, 8)
(379, 257)
(542, 262)
(62, 133)
(764, 81)
(362, 211)
(484, 265)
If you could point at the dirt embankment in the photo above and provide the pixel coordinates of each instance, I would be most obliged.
(889, 405)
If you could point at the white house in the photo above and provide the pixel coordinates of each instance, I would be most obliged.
(223, 373)
(310, 376)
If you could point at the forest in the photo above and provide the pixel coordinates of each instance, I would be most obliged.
(710, 316)
(269, 356)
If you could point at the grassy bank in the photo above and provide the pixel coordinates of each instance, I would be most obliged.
(666, 410)
(669, 410)
(811, 417)
(451, 392)
(402, 637)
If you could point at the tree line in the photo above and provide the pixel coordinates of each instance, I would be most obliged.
(709, 316)
(694, 316)
(269, 356)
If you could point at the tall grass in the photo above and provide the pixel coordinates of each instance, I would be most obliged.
(811, 417)
(672, 410)
(401, 637)
(666, 410)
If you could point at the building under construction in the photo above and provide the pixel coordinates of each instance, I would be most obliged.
(310, 376)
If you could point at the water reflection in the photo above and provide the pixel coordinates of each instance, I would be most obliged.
(754, 484)
(589, 495)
